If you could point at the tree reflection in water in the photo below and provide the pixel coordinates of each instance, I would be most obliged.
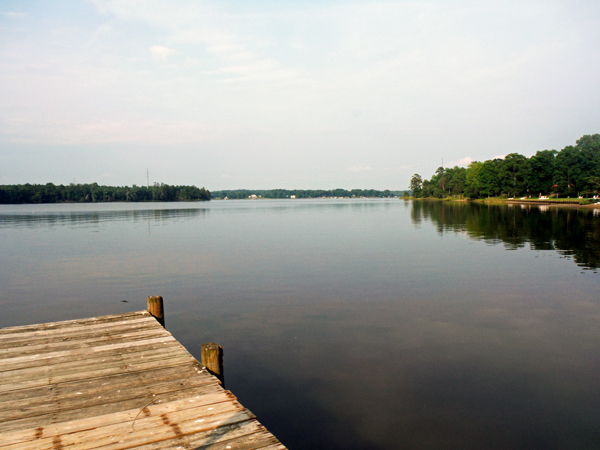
(573, 232)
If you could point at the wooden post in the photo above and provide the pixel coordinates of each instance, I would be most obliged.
(155, 307)
(212, 359)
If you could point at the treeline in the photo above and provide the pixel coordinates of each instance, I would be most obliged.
(572, 172)
(299, 193)
(83, 193)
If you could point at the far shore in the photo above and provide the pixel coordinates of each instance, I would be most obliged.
(568, 203)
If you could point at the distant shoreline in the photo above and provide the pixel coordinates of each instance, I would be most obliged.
(547, 203)
(18, 194)
(569, 203)
(392, 197)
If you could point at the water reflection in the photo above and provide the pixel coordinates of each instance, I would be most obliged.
(570, 231)
(82, 214)
(87, 218)
(345, 326)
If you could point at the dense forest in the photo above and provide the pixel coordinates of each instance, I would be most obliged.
(82, 193)
(299, 193)
(572, 172)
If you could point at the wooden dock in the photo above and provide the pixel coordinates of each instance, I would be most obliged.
(115, 382)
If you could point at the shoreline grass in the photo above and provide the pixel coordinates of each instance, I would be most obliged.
(572, 202)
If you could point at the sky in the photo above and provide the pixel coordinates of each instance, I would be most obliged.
(302, 94)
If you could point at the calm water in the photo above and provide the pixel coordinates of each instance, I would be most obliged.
(350, 324)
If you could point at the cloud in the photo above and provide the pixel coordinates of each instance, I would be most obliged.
(162, 53)
(13, 14)
(358, 169)
(499, 157)
(462, 162)
(235, 47)
(87, 131)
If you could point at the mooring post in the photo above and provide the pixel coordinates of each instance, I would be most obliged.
(212, 359)
(155, 307)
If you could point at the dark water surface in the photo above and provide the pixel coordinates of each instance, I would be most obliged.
(346, 324)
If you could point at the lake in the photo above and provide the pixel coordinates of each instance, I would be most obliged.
(346, 324)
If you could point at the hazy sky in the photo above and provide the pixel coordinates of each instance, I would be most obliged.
(303, 94)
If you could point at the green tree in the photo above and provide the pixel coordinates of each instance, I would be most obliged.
(567, 170)
(472, 185)
(589, 162)
(540, 173)
(427, 190)
(489, 184)
(416, 185)
(512, 174)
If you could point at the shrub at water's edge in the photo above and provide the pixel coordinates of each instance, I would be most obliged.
(93, 193)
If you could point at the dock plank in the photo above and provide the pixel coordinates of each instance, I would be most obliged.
(15, 361)
(149, 379)
(73, 331)
(103, 409)
(74, 323)
(92, 364)
(25, 383)
(84, 400)
(114, 382)
(84, 356)
(86, 341)
(134, 419)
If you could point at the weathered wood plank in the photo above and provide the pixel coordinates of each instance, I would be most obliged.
(277, 446)
(91, 364)
(78, 351)
(84, 354)
(216, 438)
(25, 383)
(111, 332)
(170, 401)
(244, 435)
(59, 400)
(76, 322)
(214, 401)
(151, 430)
(77, 330)
(165, 429)
(91, 341)
(146, 378)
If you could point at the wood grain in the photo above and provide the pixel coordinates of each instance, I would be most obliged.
(114, 382)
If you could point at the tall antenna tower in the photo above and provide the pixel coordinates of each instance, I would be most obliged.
(147, 178)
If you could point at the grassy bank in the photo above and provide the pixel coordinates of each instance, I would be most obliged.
(503, 200)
